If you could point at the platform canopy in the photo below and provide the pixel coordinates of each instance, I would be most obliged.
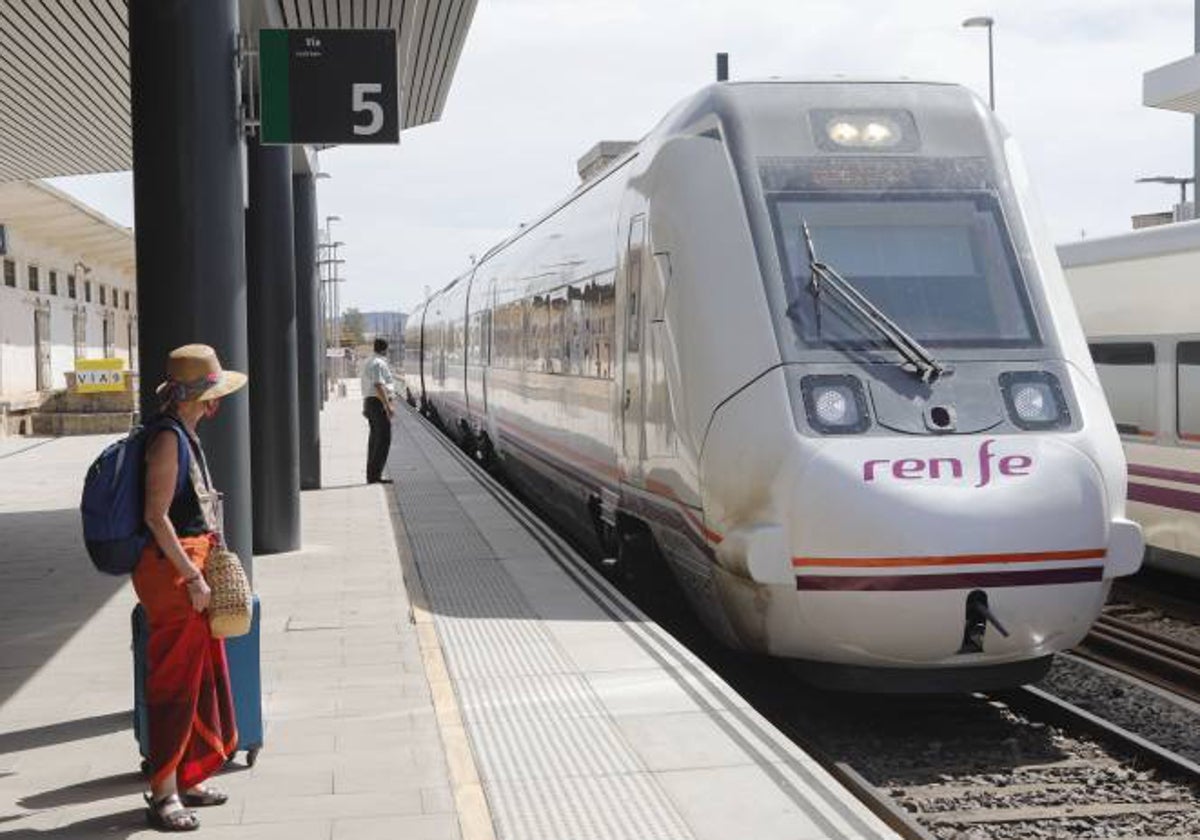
(64, 71)
(1174, 87)
(60, 221)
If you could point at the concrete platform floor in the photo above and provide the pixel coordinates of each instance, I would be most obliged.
(352, 745)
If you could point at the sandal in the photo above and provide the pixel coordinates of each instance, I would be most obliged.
(160, 815)
(204, 797)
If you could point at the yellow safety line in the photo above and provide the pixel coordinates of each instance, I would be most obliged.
(474, 815)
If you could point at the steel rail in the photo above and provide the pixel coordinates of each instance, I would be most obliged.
(1133, 649)
(1040, 704)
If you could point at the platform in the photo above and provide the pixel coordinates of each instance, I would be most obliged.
(437, 664)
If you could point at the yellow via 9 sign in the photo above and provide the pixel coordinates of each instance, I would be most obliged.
(94, 376)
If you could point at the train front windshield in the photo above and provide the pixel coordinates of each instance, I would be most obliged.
(939, 265)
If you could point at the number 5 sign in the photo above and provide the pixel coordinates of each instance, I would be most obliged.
(329, 86)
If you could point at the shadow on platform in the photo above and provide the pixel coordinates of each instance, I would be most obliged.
(118, 825)
(48, 590)
(82, 793)
(65, 732)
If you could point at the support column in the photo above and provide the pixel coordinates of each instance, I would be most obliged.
(189, 224)
(271, 309)
(310, 344)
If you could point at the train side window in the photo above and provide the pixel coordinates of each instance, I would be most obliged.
(539, 333)
(1187, 383)
(1126, 372)
(575, 331)
(556, 351)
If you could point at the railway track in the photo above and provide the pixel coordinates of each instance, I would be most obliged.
(1151, 634)
(1131, 647)
(1019, 764)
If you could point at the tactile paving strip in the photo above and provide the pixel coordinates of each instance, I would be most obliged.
(554, 765)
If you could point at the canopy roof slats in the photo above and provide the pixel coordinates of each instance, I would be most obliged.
(64, 71)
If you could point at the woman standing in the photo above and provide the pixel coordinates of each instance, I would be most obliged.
(192, 729)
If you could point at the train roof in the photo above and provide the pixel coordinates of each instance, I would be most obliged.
(1175, 238)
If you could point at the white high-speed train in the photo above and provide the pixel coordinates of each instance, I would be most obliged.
(811, 342)
(1139, 301)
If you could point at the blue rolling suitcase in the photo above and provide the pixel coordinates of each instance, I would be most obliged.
(244, 675)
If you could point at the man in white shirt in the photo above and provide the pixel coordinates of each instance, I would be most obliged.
(377, 387)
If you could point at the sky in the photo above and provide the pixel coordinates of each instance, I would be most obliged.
(540, 81)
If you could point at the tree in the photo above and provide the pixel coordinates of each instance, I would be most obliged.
(353, 327)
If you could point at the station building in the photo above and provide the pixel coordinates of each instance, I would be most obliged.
(67, 291)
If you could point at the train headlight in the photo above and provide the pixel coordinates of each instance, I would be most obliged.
(864, 130)
(835, 405)
(877, 134)
(1035, 400)
(844, 133)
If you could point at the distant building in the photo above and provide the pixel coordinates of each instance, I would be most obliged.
(67, 290)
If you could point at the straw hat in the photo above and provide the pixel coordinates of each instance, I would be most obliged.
(195, 373)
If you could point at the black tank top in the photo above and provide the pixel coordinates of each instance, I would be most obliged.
(185, 513)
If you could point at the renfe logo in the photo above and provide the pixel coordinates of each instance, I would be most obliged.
(948, 469)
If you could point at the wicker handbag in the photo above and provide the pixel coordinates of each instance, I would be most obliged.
(231, 608)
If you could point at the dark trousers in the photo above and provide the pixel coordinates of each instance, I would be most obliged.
(380, 440)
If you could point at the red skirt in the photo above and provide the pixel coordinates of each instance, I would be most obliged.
(193, 731)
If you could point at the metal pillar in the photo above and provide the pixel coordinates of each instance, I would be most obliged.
(189, 225)
(310, 341)
(271, 308)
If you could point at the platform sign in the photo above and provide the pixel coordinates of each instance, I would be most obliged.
(93, 376)
(329, 86)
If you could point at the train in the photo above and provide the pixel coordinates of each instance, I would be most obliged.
(1139, 303)
(807, 346)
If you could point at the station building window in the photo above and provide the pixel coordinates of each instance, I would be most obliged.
(34, 280)
(71, 287)
(1187, 382)
(10, 274)
(80, 331)
(103, 295)
(54, 282)
(127, 301)
(1126, 372)
(87, 291)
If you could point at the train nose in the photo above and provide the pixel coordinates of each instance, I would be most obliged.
(1018, 510)
(994, 547)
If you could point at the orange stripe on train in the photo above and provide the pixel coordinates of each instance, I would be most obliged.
(950, 559)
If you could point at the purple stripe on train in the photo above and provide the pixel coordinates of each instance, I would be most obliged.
(1164, 473)
(1164, 497)
(958, 580)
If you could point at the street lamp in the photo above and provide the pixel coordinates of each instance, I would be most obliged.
(1173, 180)
(971, 23)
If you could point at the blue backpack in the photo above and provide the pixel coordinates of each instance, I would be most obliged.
(114, 527)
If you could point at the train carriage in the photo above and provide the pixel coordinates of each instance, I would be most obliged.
(1139, 301)
(808, 341)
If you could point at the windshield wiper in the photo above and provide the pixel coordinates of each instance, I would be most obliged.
(825, 277)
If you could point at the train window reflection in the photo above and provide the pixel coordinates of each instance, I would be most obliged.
(940, 265)
(1187, 355)
(565, 330)
(1126, 372)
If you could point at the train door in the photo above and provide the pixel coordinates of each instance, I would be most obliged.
(633, 431)
(41, 343)
(479, 345)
